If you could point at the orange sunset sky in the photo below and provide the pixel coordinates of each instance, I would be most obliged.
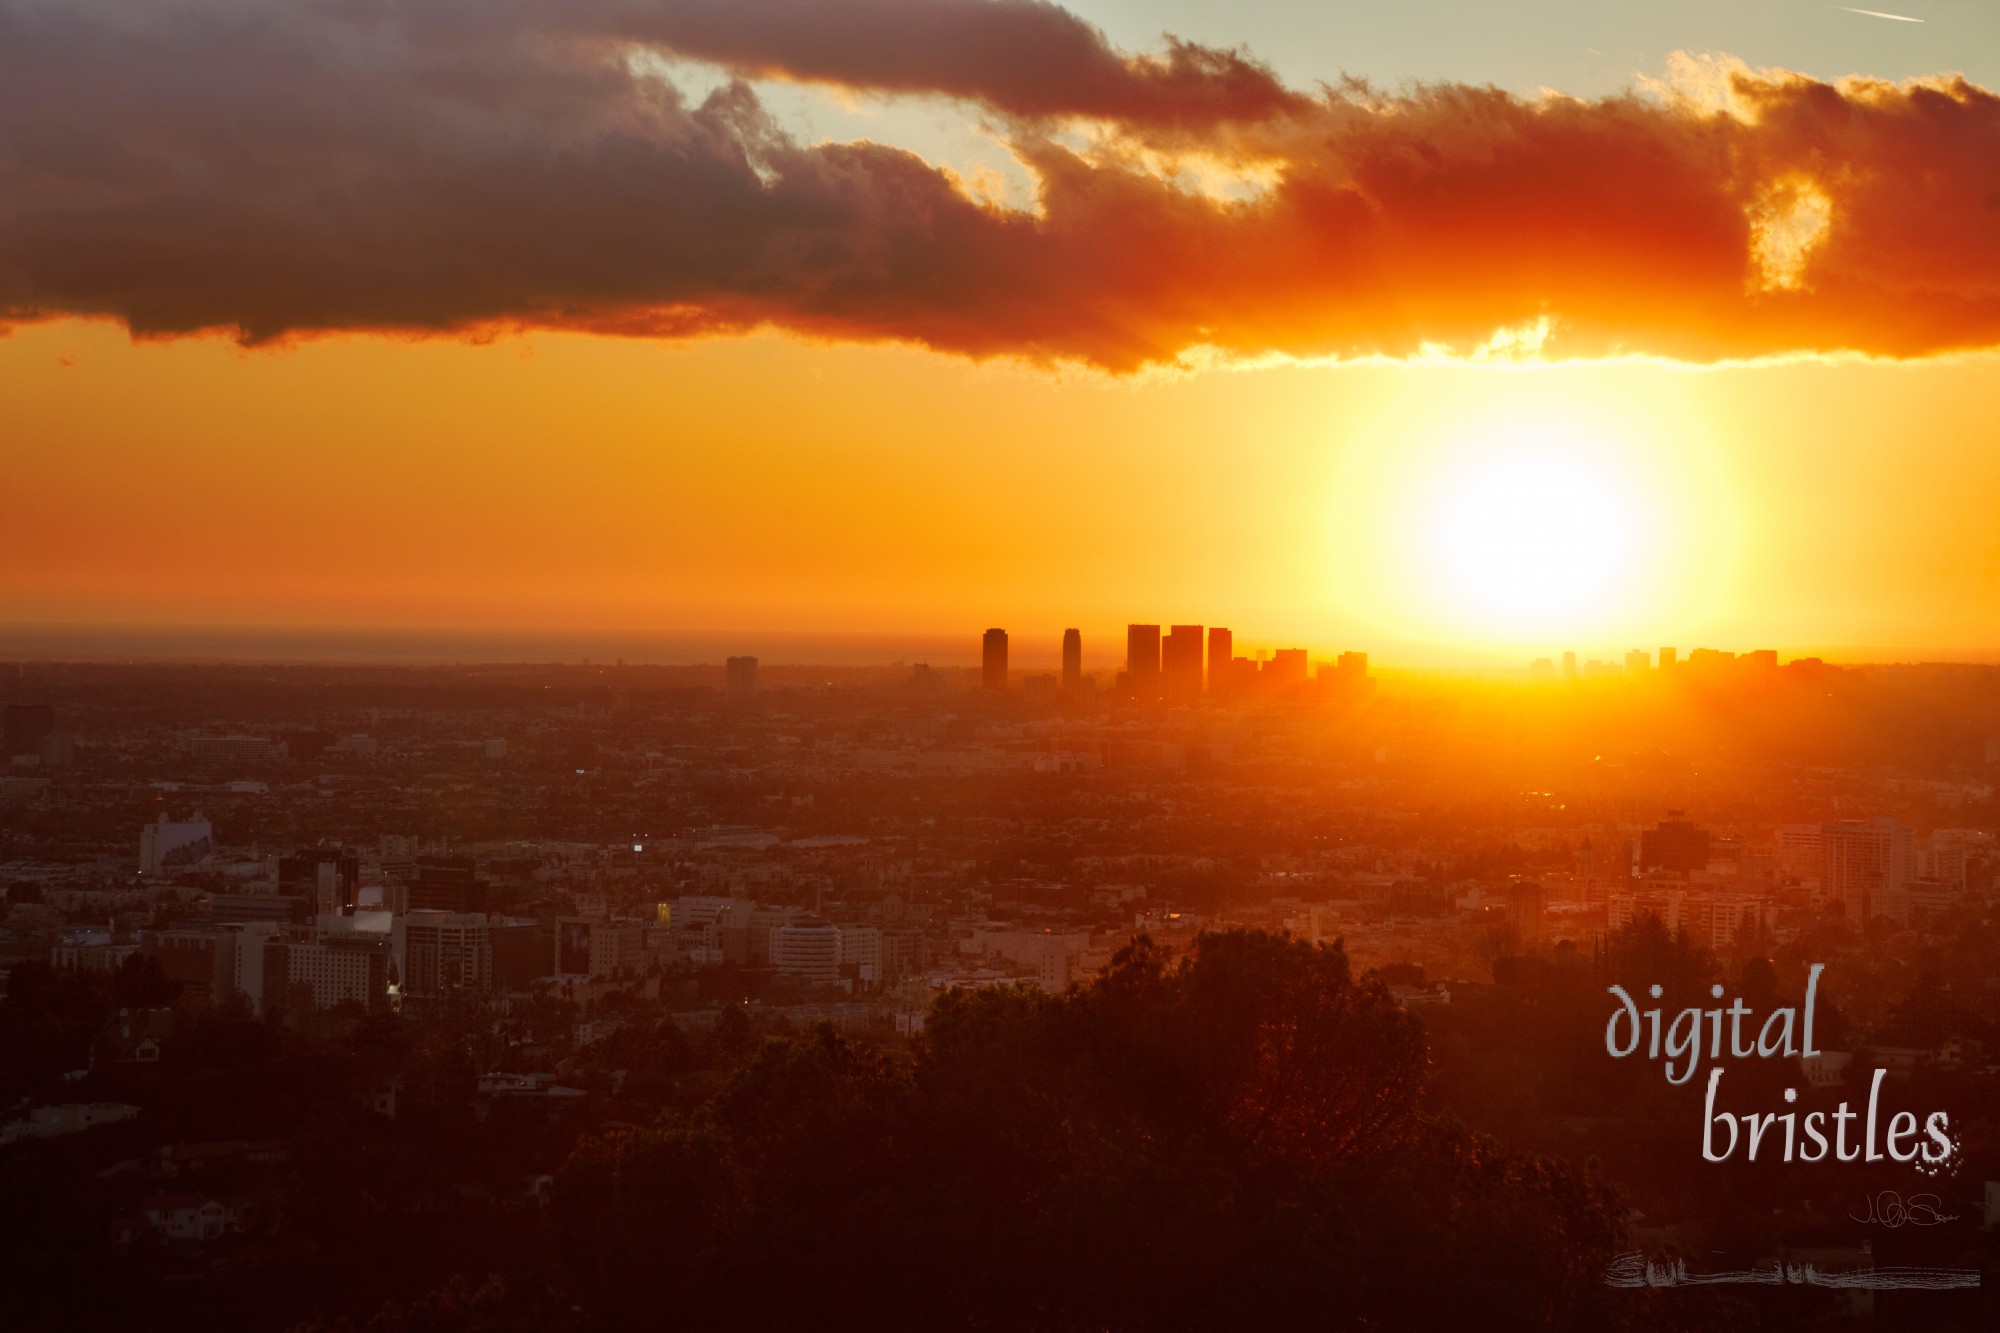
(917, 316)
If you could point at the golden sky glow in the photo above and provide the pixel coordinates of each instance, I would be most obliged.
(575, 482)
(927, 315)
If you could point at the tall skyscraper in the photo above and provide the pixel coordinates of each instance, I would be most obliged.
(1142, 660)
(742, 677)
(1221, 647)
(1668, 656)
(1072, 658)
(1180, 664)
(1569, 666)
(1638, 662)
(993, 660)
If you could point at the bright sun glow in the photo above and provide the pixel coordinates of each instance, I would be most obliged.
(1523, 513)
(1526, 537)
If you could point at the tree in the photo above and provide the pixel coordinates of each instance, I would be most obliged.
(1229, 1140)
(1644, 953)
(140, 984)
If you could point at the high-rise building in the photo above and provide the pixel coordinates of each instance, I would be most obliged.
(1245, 676)
(1287, 668)
(861, 951)
(1142, 660)
(1668, 656)
(589, 948)
(1221, 648)
(438, 953)
(1674, 844)
(741, 675)
(1346, 677)
(446, 884)
(523, 952)
(993, 659)
(27, 726)
(807, 947)
(1638, 662)
(1866, 866)
(329, 876)
(1180, 664)
(341, 968)
(1072, 659)
(1569, 666)
(1943, 862)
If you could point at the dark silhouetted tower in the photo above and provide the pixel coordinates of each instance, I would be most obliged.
(1072, 669)
(1142, 660)
(1674, 844)
(1287, 668)
(993, 660)
(1180, 663)
(1221, 647)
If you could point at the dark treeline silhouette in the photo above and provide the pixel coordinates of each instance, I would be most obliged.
(1232, 1141)
(1246, 1137)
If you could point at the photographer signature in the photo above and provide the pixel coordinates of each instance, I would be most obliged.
(1891, 1210)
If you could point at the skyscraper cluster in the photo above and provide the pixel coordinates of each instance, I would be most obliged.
(1639, 663)
(1178, 666)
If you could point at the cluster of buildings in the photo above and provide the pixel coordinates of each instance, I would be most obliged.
(1179, 667)
(1728, 892)
(1701, 662)
(871, 838)
(389, 925)
(332, 927)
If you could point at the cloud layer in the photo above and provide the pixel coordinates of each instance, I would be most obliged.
(271, 169)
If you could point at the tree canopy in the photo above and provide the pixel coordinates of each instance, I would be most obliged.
(1230, 1140)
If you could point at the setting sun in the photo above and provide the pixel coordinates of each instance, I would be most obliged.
(1020, 664)
(1497, 509)
(1531, 533)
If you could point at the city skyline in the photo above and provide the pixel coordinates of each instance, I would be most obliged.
(1076, 666)
(1038, 650)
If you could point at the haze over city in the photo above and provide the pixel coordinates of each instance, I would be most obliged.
(994, 665)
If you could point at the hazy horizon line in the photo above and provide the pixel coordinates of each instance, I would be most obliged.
(232, 644)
